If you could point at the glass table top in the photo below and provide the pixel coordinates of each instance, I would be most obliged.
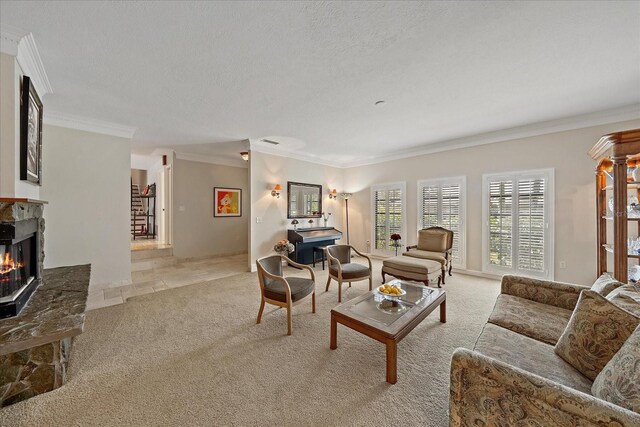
(386, 310)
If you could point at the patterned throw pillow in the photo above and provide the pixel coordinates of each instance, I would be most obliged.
(626, 297)
(605, 284)
(619, 381)
(595, 332)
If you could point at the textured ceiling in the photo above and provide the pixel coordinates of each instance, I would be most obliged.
(209, 72)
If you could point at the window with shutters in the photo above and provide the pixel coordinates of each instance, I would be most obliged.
(388, 216)
(518, 223)
(441, 203)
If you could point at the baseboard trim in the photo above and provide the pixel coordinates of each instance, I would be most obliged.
(477, 273)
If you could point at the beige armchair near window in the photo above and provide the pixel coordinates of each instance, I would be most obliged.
(284, 291)
(434, 243)
(342, 269)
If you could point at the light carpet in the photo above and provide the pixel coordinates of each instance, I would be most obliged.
(195, 356)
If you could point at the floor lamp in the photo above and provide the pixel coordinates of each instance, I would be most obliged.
(346, 197)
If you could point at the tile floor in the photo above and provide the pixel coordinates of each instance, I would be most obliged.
(181, 274)
(145, 244)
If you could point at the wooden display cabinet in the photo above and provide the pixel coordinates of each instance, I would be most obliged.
(615, 153)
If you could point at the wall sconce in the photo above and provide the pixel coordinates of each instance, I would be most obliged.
(244, 155)
(276, 191)
(333, 194)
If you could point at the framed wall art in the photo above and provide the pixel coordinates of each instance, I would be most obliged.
(30, 133)
(227, 202)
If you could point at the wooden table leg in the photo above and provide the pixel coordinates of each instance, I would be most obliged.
(443, 312)
(334, 333)
(392, 362)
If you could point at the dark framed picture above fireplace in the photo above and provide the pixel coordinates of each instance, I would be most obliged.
(30, 133)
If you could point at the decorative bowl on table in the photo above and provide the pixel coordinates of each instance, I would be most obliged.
(390, 290)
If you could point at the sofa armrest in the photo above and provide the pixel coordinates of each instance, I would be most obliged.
(484, 391)
(558, 294)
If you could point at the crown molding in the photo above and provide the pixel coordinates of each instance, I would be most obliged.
(90, 125)
(9, 40)
(214, 160)
(629, 112)
(29, 60)
(295, 156)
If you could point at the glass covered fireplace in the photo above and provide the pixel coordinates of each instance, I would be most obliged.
(19, 274)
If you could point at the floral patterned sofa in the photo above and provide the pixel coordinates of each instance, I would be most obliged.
(550, 354)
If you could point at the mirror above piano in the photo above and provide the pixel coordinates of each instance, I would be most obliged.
(304, 200)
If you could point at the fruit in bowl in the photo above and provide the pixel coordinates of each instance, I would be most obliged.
(390, 289)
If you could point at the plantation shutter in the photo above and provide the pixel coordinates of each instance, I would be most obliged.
(519, 236)
(440, 203)
(380, 213)
(388, 215)
(531, 226)
(450, 216)
(430, 206)
(500, 222)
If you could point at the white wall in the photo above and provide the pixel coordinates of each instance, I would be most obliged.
(267, 170)
(566, 152)
(10, 88)
(153, 176)
(196, 233)
(87, 220)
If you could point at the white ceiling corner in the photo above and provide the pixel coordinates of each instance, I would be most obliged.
(9, 39)
(631, 112)
(87, 124)
(256, 145)
(213, 159)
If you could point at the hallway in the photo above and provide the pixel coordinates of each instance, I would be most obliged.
(175, 276)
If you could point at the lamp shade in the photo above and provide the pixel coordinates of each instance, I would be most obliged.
(277, 187)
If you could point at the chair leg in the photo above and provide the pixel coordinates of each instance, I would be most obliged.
(313, 302)
(328, 282)
(443, 274)
(339, 290)
(370, 282)
(383, 278)
(289, 319)
(260, 311)
(450, 268)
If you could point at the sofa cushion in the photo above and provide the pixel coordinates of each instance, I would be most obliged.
(539, 321)
(433, 256)
(605, 284)
(596, 331)
(626, 297)
(619, 381)
(529, 354)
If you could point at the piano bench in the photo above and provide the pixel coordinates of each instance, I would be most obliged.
(322, 250)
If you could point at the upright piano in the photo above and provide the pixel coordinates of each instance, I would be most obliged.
(306, 238)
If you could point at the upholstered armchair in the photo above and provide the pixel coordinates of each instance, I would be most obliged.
(434, 243)
(342, 269)
(284, 291)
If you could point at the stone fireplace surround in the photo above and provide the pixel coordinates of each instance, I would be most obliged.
(35, 344)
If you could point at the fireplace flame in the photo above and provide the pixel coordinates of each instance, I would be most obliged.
(7, 264)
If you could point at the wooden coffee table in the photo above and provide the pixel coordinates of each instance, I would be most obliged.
(388, 321)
